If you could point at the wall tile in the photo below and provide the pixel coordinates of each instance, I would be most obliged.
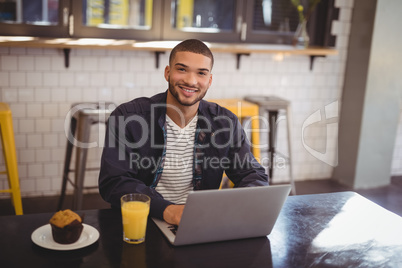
(51, 169)
(26, 125)
(120, 64)
(49, 110)
(50, 141)
(43, 155)
(34, 141)
(74, 95)
(43, 184)
(34, 79)
(57, 63)
(50, 79)
(26, 63)
(34, 110)
(4, 79)
(18, 110)
(17, 79)
(20, 141)
(57, 125)
(42, 125)
(26, 156)
(97, 79)
(28, 186)
(42, 63)
(4, 50)
(90, 64)
(8, 63)
(105, 63)
(42, 94)
(66, 79)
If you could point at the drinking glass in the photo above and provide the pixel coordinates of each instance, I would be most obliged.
(134, 210)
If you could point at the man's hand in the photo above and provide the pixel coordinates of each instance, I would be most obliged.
(172, 214)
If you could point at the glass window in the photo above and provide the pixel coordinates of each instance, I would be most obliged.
(204, 15)
(271, 21)
(120, 14)
(35, 12)
(274, 15)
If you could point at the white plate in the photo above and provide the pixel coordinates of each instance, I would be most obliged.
(43, 237)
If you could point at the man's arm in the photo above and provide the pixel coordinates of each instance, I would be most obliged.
(116, 177)
(244, 171)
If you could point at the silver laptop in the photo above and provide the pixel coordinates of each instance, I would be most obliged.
(227, 214)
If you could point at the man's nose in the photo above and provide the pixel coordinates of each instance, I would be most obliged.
(191, 79)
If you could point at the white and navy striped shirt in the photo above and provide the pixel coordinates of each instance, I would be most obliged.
(177, 176)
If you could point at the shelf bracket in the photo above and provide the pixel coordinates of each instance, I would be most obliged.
(238, 56)
(66, 57)
(312, 58)
(157, 54)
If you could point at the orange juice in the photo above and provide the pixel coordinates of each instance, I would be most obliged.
(134, 216)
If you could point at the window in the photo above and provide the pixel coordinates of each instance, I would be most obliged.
(32, 17)
(121, 19)
(227, 21)
(208, 20)
(271, 21)
(38, 12)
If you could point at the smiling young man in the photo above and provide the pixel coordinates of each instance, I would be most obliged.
(176, 142)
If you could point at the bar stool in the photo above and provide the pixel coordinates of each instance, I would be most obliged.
(83, 116)
(273, 105)
(10, 157)
(244, 109)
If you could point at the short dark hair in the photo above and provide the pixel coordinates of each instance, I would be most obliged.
(194, 46)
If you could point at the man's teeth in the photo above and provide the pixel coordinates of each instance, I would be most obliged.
(188, 90)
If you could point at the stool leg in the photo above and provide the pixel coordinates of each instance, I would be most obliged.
(289, 127)
(67, 161)
(83, 129)
(10, 157)
(272, 116)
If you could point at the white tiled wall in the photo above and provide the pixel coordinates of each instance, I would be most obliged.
(40, 91)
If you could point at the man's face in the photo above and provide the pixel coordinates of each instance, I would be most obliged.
(189, 77)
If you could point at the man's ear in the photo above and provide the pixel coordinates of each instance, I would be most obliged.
(167, 72)
(210, 80)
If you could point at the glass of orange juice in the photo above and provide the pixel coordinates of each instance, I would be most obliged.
(134, 210)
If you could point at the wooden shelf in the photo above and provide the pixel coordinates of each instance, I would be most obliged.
(159, 46)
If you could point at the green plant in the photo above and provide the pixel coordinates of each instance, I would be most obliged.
(305, 12)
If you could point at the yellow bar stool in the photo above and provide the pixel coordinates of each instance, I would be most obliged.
(10, 157)
(243, 109)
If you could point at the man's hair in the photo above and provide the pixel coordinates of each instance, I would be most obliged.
(194, 46)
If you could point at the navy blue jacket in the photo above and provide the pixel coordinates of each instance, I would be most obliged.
(134, 152)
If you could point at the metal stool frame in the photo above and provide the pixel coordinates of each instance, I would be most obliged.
(272, 105)
(83, 116)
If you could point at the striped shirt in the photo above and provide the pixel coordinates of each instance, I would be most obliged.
(177, 176)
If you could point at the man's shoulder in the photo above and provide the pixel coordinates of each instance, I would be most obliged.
(215, 109)
(141, 105)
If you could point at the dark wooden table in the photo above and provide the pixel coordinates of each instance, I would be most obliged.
(324, 230)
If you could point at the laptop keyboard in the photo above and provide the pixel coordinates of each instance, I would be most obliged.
(173, 228)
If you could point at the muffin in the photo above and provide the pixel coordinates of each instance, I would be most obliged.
(66, 226)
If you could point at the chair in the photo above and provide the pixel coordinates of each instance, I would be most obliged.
(83, 116)
(10, 157)
(273, 105)
(243, 110)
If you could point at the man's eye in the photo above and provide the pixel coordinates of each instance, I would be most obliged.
(202, 73)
